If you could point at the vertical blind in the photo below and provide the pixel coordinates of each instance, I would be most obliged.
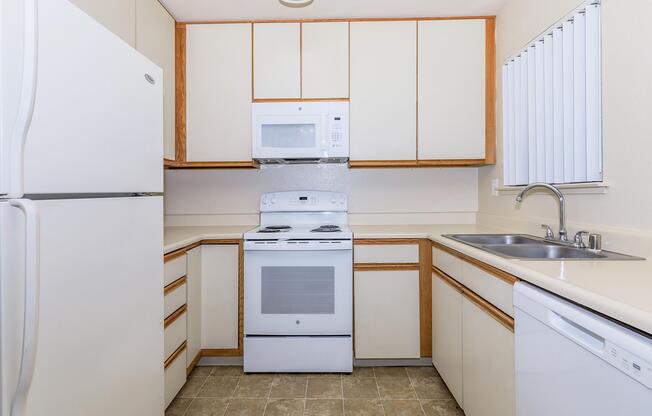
(552, 111)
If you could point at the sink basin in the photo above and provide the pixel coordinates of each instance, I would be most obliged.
(527, 247)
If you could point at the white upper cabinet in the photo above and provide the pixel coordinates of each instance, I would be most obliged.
(325, 60)
(277, 60)
(155, 39)
(383, 90)
(218, 92)
(452, 89)
(116, 15)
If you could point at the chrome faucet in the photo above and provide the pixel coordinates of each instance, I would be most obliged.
(563, 233)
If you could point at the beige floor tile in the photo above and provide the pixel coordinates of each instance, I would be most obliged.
(324, 388)
(390, 372)
(207, 407)
(363, 407)
(178, 407)
(402, 408)
(254, 386)
(192, 386)
(323, 407)
(218, 387)
(227, 370)
(203, 371)
(431, 388)
(289, 387)
(361, 372)
(422, 372)
(246, 407)
(441, 408)
(395, 388)
(360, 388)
(325, 375)
(284, 407)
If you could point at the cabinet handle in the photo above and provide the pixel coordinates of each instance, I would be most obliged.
(31, 306)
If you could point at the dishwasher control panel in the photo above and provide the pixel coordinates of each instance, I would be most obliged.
(629, 363)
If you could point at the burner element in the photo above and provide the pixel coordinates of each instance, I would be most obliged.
(275, 229)
(328, 228)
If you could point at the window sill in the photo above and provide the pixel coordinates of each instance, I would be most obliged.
(566, 188)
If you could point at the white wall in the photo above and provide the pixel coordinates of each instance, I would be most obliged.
(627, 112)
(381, 196)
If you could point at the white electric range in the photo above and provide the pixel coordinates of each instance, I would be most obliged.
(298, 285)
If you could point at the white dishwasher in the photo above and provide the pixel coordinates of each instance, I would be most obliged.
(570, 361)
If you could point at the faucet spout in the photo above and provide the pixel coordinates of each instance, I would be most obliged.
(563, 233)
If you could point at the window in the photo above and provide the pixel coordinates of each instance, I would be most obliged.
(552, 110)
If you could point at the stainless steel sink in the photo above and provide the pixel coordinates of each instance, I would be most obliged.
(527, 247)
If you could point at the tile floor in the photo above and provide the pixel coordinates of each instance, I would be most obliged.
(378, 391)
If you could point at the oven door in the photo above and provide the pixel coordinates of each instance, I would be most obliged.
(297, 292)
(288, 136)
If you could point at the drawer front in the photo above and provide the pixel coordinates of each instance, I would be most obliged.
(447, 263)
(386, 253)
(489, 287)
(175, 335)
(174, 299)
(175, 269)
(175, 377)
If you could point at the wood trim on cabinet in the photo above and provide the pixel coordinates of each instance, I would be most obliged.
(362, 267)
(247, 164)
(168, 163)
(496, 272)
(500, 316)
(353, 19)
(193, 363)
(174, 254)
(180, 91)
(425, 297)
(234, 352)
(385, 241)
(490, 91)
(292, 100)
(174, 316)
(382, 163)
(300, 60)
(175, 354)
(174, 285)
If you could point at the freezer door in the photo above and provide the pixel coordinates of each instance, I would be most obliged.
(100, 331)
(97, 125)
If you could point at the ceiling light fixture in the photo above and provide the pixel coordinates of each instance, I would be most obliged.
(295, 3)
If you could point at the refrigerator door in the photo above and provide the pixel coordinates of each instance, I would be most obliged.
(99, 349)
(97, 123)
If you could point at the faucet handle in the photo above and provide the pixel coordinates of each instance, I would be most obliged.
(578, 241)
(550, 235)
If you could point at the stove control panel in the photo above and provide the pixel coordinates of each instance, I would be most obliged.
(303, 201)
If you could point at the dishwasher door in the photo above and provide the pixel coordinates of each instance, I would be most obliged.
(572, 362)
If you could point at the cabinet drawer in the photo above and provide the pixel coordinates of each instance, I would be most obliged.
(386, 253)
(489, 287)
(175, 297)
(174, 269)
(175, 332)
(447, 263)
(175, 376)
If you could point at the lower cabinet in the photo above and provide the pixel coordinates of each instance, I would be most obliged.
(386, 314)
(488, 364)
(219, 296)
(447, 335)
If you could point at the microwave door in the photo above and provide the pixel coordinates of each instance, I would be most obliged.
(287, 137)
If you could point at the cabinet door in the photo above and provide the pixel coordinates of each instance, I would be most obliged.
(119, 16)
(383, 90)
(277, 60)
(218, 93)
(447, 335)
(452, 89)
(219, 297)
(155, 39)
(325, 60)
(488, 364)
(386, 312)
(193, 279)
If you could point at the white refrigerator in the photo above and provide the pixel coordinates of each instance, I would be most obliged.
(81, 217)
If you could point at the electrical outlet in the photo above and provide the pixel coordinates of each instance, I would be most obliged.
(494, 187)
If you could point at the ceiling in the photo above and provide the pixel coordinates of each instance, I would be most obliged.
(213, 10)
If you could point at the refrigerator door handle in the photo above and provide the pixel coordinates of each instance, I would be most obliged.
(18, 135)
(31, 306)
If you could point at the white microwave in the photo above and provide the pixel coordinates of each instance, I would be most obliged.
(287, 132)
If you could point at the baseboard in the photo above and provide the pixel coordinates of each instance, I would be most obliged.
(219, 361)
(410, 362)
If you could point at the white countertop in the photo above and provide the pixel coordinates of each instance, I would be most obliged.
(619, 289)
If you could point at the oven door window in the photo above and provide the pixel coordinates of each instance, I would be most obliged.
(289, 136)
(298, 290)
